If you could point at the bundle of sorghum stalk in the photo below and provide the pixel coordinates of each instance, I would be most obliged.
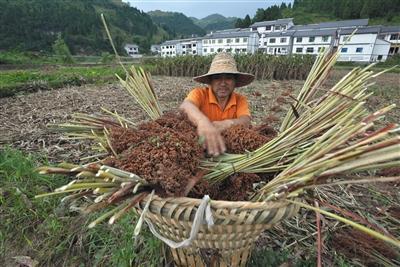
(166, 154)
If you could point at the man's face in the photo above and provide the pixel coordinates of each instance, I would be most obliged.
(223, 85)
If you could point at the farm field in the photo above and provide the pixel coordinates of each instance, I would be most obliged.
(24, 119)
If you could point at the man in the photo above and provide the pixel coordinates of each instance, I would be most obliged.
(217, 107)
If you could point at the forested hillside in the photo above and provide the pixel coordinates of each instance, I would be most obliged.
(215, 22)
(386, 12)
(34, 25)
(176, 24)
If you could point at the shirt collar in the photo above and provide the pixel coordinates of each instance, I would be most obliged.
(213, 100)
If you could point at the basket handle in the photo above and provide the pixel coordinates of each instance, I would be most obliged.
(203, 216)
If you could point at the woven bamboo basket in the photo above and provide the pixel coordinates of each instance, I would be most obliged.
(229, 242)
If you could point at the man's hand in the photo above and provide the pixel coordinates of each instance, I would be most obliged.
(213, 140)
(223, 125)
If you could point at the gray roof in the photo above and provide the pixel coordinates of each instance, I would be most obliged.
(323, 32)
(272, 22)
(279, 34)
(228, 34)
(333, 24)
(131, 45)
(364, 30)
(173, 42)
(390, 29)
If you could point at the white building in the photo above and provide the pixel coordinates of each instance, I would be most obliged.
(190, 46)
(278, 43)
(233, 40)
(391, 34)
(132, 50)
(312, 41)
(155, 49)
(168, 48)
(364, 46)
(264, 28)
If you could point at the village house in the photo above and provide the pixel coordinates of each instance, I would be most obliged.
(392, 35)
(233, 40)
(266, 28)
(132, 50)
(364, 46)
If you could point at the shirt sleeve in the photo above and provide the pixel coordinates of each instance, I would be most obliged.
(196, 97)
(242, 107)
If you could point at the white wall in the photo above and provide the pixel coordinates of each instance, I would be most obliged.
(380, 51)
(212, 46)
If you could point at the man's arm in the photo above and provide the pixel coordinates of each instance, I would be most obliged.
(213, 140)
(225, 124)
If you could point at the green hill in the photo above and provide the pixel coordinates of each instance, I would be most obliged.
(34, 25)
(384, 12)
(215, 22)
(176, 24)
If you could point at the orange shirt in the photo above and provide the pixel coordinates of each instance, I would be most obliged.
(206, 101)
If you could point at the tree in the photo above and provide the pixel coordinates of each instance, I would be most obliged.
(246, 21)
(61, 49)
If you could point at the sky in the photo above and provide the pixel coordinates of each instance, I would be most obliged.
(202, 8)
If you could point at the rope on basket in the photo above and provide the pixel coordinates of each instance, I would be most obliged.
(203, 216)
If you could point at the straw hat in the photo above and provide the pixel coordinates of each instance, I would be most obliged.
(225, 63)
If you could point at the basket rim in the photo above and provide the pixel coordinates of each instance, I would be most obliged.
(219, 204)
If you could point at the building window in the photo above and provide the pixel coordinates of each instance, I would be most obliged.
(205, 41)
(228, 41)
(237, 40)
(244, 40)
(205, 50)
(283, 50)
(237, 50)
(194, 45)
(344, 50)
(219, 50)
(311, 39)
(272, 40)
(325, 38)
(244, 49)
(310, 50)
(299, 50)
(394, 36)
(194, 52)
(220, 41)
(183, 46)
(265, 43)
(268, 28)
(380, 57)
(211, 50)
(162, 47)
(277, 28)
(189, 46)
(183, 52)
(213, 41)
(229, 50)
(359, 50)
(299, 39)
(283, 40)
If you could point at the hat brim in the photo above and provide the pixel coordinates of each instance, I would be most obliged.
(242, 79)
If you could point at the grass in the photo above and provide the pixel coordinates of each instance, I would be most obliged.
(46, 231)
(18, 81)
